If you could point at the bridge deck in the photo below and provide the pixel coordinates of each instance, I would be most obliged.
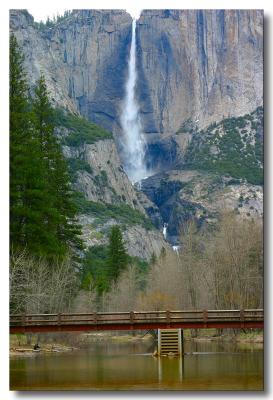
(137, 320)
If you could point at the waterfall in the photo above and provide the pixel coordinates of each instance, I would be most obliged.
(176, 249)
(165, 230)
(133, 144)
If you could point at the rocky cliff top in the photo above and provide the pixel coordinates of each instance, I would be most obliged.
(199, 64)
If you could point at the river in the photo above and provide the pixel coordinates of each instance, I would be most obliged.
(131, 366)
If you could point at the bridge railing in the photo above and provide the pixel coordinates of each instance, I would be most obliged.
(135, 317)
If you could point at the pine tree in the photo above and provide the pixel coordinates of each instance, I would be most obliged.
(117, 256)
(42, 211)
(61, 210)
(26, 170)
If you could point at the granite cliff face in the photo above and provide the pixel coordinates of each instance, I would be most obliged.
(195, 68)
(201, 65)
(222, 170)
(106, 180)
(83, 58)
(108, 197)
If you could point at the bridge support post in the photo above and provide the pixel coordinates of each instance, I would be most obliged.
(170, 341)
(181, 341)
(159, 342)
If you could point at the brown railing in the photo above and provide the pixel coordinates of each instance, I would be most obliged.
(137, 320)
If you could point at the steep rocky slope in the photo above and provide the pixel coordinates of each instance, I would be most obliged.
(106, 196)
(198, 64)
(197, 70)
(183, 195)
(222, 169)
(83, 58)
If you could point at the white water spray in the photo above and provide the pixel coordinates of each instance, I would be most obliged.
(176, 249)
(133, 143)
(165, 226)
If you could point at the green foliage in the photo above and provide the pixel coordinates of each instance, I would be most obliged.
(117, 257)
(42, 211)
(101, 180)
(94, 270)
(82, 131)
(187, 127)
(103, 264)
(60, 206)
(52, 22)
(75, 165)
(96, 273)
(27, 168)
(237, 156)
(122, 213)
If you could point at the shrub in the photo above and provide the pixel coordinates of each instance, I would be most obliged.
(82, 131)
(75, 165)
(123, 213)
(233, 158)
(95, 271)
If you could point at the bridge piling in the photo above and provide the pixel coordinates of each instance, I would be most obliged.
(170, 342)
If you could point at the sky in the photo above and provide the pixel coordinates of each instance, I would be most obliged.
(41, 14)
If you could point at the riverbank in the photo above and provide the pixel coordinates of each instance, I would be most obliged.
(23, 345)
(255, 336)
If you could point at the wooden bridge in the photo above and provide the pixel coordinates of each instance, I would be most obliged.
(137, 320)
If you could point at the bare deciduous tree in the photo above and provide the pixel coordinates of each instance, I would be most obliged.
(39, 287)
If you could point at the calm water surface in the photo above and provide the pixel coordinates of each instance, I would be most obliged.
(130, 366)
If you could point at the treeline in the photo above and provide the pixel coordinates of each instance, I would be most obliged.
(52, 22)
(39, 287)
(219, 269)
(103, 264)
(42, 208)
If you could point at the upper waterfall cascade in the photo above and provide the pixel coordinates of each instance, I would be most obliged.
(133, 143)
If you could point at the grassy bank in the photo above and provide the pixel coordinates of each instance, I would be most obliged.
(247, 336)
(23, 345)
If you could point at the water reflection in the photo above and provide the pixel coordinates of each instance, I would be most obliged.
(114, 366)
(170, 369)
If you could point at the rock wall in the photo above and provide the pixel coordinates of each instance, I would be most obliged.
(194, 67)
(192, 64)
(107, 182)
(83, 58)
(200, 196)
(198, 64)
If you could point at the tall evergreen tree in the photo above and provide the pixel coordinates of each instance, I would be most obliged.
(117, 256)
(61, 210)
(42, 211)
(26, 170)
